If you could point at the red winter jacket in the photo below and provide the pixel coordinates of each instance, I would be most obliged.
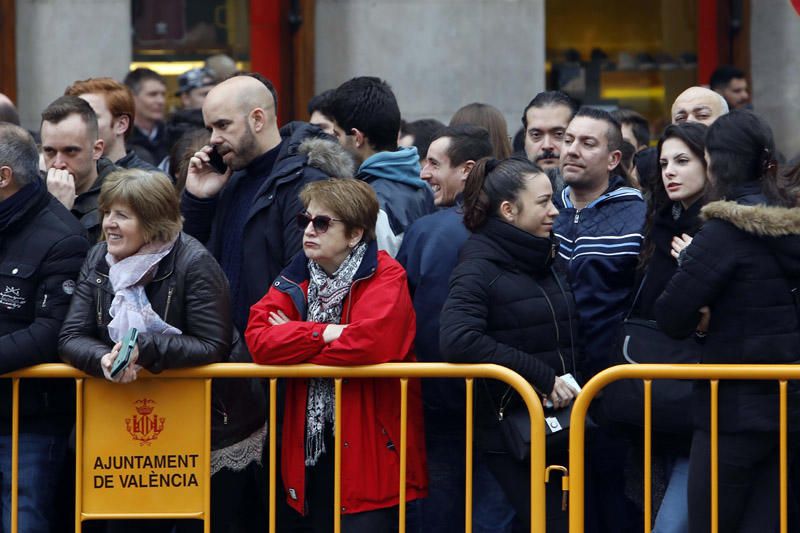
(381, 327)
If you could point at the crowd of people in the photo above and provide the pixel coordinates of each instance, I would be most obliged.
(358, 238)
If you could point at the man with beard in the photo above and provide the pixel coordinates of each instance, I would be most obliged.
(544, 122)
(246, 213)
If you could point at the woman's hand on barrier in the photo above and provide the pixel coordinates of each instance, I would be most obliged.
(333, 332)
(679, 243)
(276, 319)
(562, 394)
(129, 374)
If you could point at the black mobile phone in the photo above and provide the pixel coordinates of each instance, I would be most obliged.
(124, 355)
(216, 161)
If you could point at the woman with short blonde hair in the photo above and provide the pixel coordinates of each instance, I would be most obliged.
(146, 274)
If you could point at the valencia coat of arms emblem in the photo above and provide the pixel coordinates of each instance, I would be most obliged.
(145, 425)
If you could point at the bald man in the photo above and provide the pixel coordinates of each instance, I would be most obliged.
(8, 112)
(698, 104)
(246, 213)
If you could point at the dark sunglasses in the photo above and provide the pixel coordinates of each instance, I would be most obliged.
(321, 222)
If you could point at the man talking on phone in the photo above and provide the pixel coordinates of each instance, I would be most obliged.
(245, 214)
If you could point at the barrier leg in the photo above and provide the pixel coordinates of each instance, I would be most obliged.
(714, 456)
(468, 452)
(273, 438)
(403, 450)
(207, 461)
(14, 454)
(78, 452)
(337, 460)
(648, 459)
(784, 476)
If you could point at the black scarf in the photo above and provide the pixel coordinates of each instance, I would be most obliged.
(18, 202)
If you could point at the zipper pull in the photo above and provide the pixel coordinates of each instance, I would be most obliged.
(500, 415)
(224, 419)
(577, 217)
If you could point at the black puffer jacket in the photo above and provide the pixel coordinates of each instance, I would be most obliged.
(743, 264)
(41, 249)
(188, 291)
(499, 311)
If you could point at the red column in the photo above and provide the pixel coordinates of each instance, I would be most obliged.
(707, 39)
(269, 41)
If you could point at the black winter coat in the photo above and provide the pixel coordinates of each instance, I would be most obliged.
(188, 291)
(743, 264)
(499, 311)
(41, 250)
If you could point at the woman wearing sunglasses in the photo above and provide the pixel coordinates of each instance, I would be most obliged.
(342, 302)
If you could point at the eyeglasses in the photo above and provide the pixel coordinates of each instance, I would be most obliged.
(321, 222)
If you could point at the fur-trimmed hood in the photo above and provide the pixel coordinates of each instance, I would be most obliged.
(322, 150)
(761, 220)
(779, 226)
(328, 156)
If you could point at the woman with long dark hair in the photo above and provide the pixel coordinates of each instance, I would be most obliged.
(673, 218)
(738, 275)
(509, 307)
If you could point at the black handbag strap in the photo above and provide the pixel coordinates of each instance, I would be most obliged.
(636, 297)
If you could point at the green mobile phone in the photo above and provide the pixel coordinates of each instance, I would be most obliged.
(124, 355)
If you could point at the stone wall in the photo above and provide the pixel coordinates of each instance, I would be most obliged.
(60, 41)
(436, 54)
(775, 70)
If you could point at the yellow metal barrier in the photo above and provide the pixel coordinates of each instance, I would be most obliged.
(647, 373)
(403, 371)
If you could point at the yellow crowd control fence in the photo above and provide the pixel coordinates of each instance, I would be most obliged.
(146, 407)
(711, 373)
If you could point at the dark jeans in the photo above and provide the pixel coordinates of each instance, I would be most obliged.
(39, 461)
(443, 510)
(514, 477)
(748, 482)
(607, 507)
(319, 501)
(491, 510)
